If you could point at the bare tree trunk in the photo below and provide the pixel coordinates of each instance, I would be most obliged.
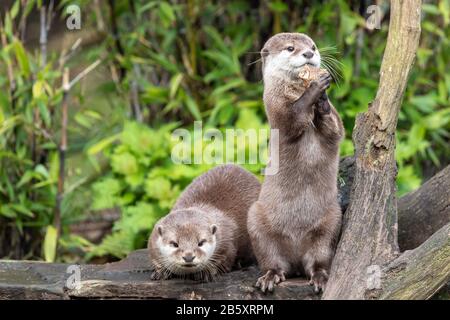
(369, 235)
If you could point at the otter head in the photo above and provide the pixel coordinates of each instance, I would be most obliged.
(188, 244)
(285, 53)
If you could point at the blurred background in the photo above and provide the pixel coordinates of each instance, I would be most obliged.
(160, 65)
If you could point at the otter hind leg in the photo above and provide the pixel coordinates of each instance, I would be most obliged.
(320, 244)
(267, 249)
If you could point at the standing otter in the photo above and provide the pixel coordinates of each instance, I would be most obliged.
(295, 222)
(206, 232)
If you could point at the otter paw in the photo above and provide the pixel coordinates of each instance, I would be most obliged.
(323, 106)
(319, 280)
(270, 279)
(321, 84)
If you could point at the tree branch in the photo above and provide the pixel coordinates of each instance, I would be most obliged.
(419, 273)
(424, 211)
(420, 213)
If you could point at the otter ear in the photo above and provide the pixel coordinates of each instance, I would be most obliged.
(213, 229)
(160, 230)
(264, 52)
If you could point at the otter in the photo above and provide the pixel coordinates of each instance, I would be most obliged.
(295, 222)
(205, 233)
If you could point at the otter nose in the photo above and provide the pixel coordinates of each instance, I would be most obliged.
(308, 54)
(188, 258)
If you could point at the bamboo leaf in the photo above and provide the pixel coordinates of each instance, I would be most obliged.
(102, 144)
(15, 9)
(22, 58)
(50, 241)
(193, 107)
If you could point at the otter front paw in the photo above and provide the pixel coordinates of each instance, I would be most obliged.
(270, 279)
(319, 86)
(319, 280)
(323, 105)
(313, 93)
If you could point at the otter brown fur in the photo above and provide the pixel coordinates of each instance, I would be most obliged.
(206, 231)
(295, 222)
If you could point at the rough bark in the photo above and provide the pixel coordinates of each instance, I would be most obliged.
(369, 234)
(418, 274)
(420, 213)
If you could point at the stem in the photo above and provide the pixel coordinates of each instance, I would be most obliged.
(98, 14)
(84, 73)
(62, 151)
(43, 36)
(136, 108)
(116, 35)
(23, 22)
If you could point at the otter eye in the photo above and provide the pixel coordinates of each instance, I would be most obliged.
(290, 49)
(202, 242)
(313, 48)
(174, 244)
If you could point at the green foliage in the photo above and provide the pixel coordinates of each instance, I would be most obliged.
(28, 160)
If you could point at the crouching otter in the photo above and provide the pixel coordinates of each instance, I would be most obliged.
(205, 233)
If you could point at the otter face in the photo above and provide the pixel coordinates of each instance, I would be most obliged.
(284, 53)
(187, 248)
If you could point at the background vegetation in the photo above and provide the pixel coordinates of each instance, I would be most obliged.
(162, 65)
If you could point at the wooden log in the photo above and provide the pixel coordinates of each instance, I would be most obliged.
(418, 274)
(420, 213)
(130, 278)
(424, 211)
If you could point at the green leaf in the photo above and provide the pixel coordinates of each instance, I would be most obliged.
(193, 107)
(22, 209)
(15, 9)
(124, 163)
(158, 188)
(50, 241)
(22, 58)
(7, 212)
(102, 144)
(106, 193)
(44, 112)
(8, 25)
(175, 84)
(38, 89)
(167, 13)
(42, 170)
(444, 8)
(278, 6)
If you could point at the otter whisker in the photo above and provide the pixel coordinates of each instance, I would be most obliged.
(253, 62)
(330, 68)
(334, 70)
(333, 60)
(328, 49)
